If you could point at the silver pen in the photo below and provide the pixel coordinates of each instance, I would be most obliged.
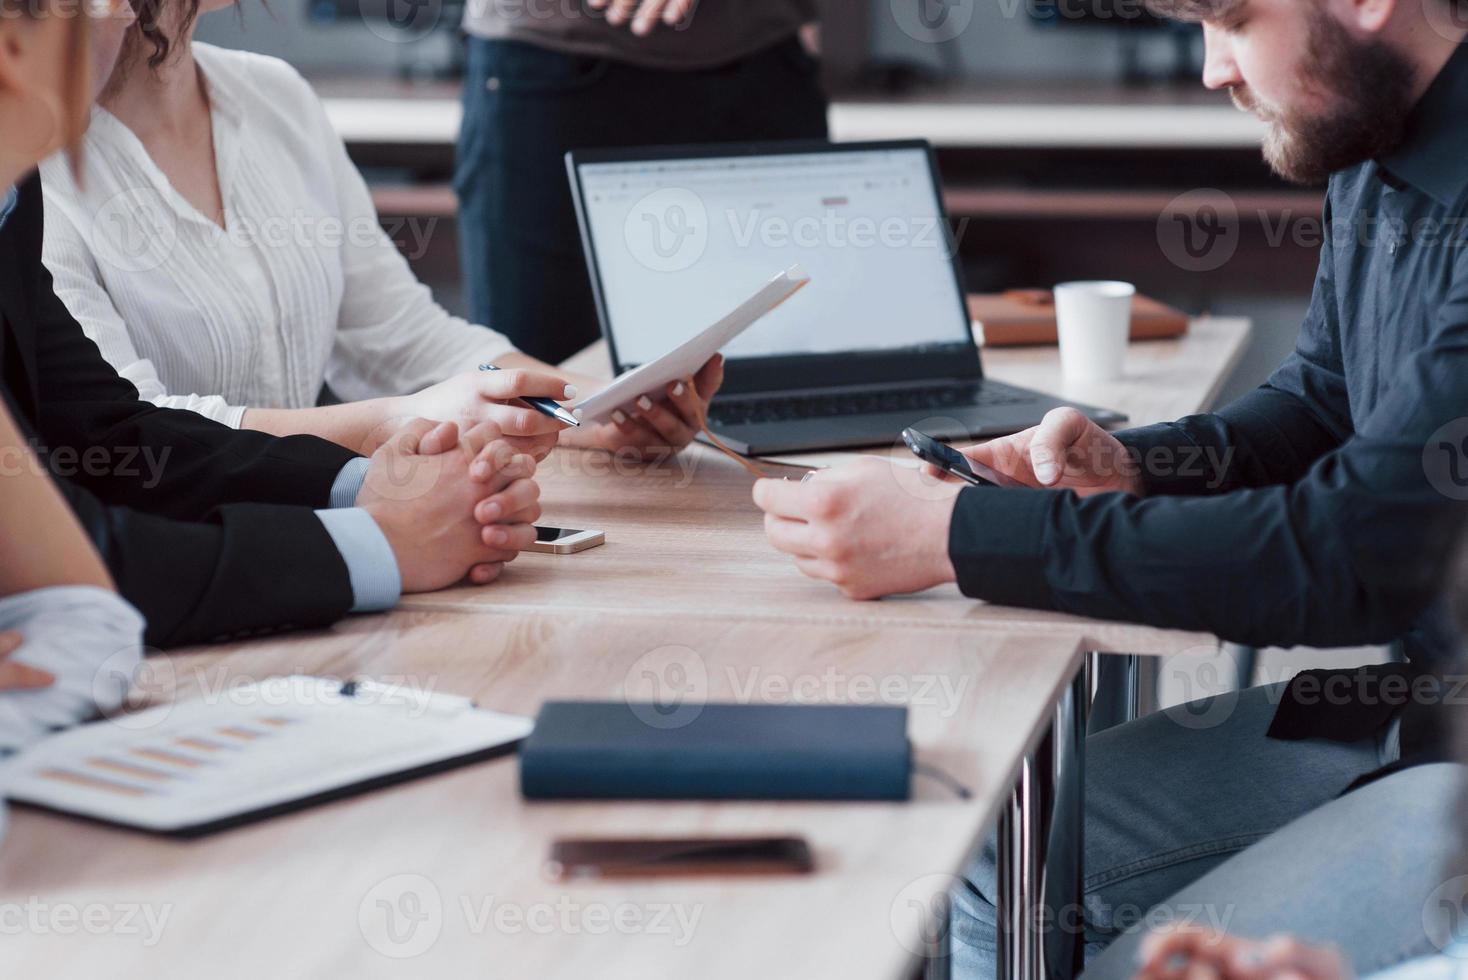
(544, 406)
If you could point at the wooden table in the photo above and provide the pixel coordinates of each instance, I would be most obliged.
(457, 858)
(684, 535)
(442, 877)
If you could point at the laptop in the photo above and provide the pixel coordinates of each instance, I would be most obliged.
(879, 341)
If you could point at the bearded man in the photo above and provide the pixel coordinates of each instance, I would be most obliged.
(1334, 524)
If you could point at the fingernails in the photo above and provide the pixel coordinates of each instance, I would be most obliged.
(618, 417)
(480, 471)
(492, 511)
(1044, 466)
(645, 403)
(677, 389)
(570, 392)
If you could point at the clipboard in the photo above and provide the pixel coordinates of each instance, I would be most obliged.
(253, 752)
(685, 359)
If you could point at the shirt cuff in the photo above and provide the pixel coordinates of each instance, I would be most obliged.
(89, 639)
(1156, 451)
(371, 564)
(349, 483)
(996, 542)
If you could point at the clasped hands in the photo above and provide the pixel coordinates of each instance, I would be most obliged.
(453, 505)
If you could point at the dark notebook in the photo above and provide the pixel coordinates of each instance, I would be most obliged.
(610, 750)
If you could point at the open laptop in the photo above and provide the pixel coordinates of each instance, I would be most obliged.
(880, 339)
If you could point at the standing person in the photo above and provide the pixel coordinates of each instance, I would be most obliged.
(544, 79)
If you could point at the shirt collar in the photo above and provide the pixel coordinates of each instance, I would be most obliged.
(1433, 155)
(7, 204)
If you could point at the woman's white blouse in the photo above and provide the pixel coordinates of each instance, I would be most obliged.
(300, 287)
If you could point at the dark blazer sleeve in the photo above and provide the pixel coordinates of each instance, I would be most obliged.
(209, 531)
(244, 570)
(182, 464)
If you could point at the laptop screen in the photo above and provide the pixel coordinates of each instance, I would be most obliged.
(678, 243)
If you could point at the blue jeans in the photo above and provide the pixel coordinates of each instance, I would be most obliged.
(525, 107)
(1194, 812)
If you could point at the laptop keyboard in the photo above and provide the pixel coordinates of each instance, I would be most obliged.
(787, 408)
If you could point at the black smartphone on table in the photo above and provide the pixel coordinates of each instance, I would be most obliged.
(577, 858)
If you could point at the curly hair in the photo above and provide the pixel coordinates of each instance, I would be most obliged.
(149, 29)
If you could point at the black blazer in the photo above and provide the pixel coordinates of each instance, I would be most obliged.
(209, 531)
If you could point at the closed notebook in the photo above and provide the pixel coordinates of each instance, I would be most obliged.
(613, 750)
(1027, 316)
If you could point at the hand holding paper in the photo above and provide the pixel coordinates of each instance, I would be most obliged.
(651, 380)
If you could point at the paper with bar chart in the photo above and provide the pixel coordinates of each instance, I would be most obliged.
(252, 750)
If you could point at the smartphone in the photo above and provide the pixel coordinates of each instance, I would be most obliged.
(650, 857)
(565, 540)
(949, 460)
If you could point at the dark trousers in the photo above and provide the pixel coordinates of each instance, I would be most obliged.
(526, 107)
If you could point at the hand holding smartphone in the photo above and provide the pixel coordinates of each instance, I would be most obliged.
(951, 461)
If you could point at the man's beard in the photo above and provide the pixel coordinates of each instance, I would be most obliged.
(1368, 89)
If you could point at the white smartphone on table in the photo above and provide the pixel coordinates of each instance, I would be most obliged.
(565, 540)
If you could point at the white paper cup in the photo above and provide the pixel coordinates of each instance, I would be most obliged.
(1094, 321)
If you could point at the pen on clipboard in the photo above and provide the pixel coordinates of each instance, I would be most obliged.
(544, 406)
(376, 693)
